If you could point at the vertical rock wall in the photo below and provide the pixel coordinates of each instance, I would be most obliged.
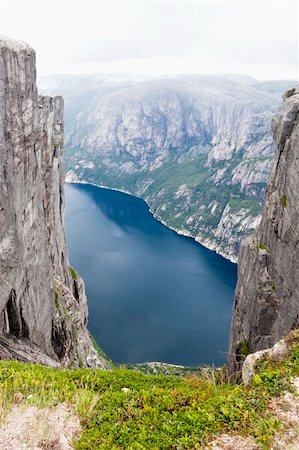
(267, 296)
(43, 310)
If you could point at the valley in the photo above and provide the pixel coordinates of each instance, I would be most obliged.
(198, 149)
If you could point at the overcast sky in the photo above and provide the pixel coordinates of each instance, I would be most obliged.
(256, 38)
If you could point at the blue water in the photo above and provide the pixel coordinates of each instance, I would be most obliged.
(153, 295)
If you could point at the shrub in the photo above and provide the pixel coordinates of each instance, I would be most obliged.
(284, 201)
(73, 273)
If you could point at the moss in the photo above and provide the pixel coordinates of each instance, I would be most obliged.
(81, 363)
(262, 246)
(56, 296)
(58, 303)
(243, 348)
(284, 201)
(73, 273)
(292, 337)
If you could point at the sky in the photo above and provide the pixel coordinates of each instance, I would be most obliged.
(158, 37)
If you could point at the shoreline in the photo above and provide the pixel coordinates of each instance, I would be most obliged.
(208, 245)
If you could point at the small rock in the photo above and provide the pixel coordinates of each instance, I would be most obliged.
(289, 93)
(125, 389)
(18, 397)
(295, 383)
(275, 353)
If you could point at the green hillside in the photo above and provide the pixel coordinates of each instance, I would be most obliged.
(125, 409)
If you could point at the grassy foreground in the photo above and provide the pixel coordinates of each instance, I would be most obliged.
(154, 412)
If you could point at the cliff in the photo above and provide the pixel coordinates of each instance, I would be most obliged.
(43, 309)
(267, 296)
(197, 148)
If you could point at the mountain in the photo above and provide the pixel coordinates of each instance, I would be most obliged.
(43, 307)
(267, 296)
(44, 313)
(197, 148)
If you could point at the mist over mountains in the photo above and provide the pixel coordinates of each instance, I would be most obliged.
(197, 148)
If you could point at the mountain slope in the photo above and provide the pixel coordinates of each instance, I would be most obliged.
(198, 149)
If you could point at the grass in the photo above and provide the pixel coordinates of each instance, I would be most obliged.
(73, 273)
(154, 412)
(284, 201)
(262, 246)
(244, 349)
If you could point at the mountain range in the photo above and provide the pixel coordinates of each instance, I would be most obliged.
(198, 149)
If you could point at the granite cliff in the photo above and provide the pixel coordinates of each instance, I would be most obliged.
(197, 148)
(43, 307)
(267, 296)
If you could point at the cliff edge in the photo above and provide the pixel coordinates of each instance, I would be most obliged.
(43, 307)
(267, 295)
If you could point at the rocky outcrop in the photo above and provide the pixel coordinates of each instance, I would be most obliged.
(267, 296)
(43, 309)
(276, 353)
(197, 148)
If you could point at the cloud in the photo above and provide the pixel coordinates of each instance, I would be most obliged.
(82, 36)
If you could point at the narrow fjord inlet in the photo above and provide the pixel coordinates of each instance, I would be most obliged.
(153, 295)
(149, 241)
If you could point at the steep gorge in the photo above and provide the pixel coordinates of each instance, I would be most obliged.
(43, 307)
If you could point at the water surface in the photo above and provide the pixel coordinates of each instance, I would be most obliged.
(153, 295)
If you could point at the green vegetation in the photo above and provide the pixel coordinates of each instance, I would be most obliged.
(284, 201)
(262, 246)
(183, 194)
(160, 368)
(154, 412)
(59, 303)
(98, 349)
(56, 296)
(243, 347)
(73, 273)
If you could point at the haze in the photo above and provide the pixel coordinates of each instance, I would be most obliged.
(256, 38)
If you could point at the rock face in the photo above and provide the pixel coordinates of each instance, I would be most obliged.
(197, 148)
(43, 310)
(267, 296)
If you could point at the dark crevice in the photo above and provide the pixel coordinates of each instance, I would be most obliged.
(75, 291)
(24, 329)
(59, 340)
(295, 323)
(61, 202)
(16, 325)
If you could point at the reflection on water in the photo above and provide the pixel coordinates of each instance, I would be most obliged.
(153, 295)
